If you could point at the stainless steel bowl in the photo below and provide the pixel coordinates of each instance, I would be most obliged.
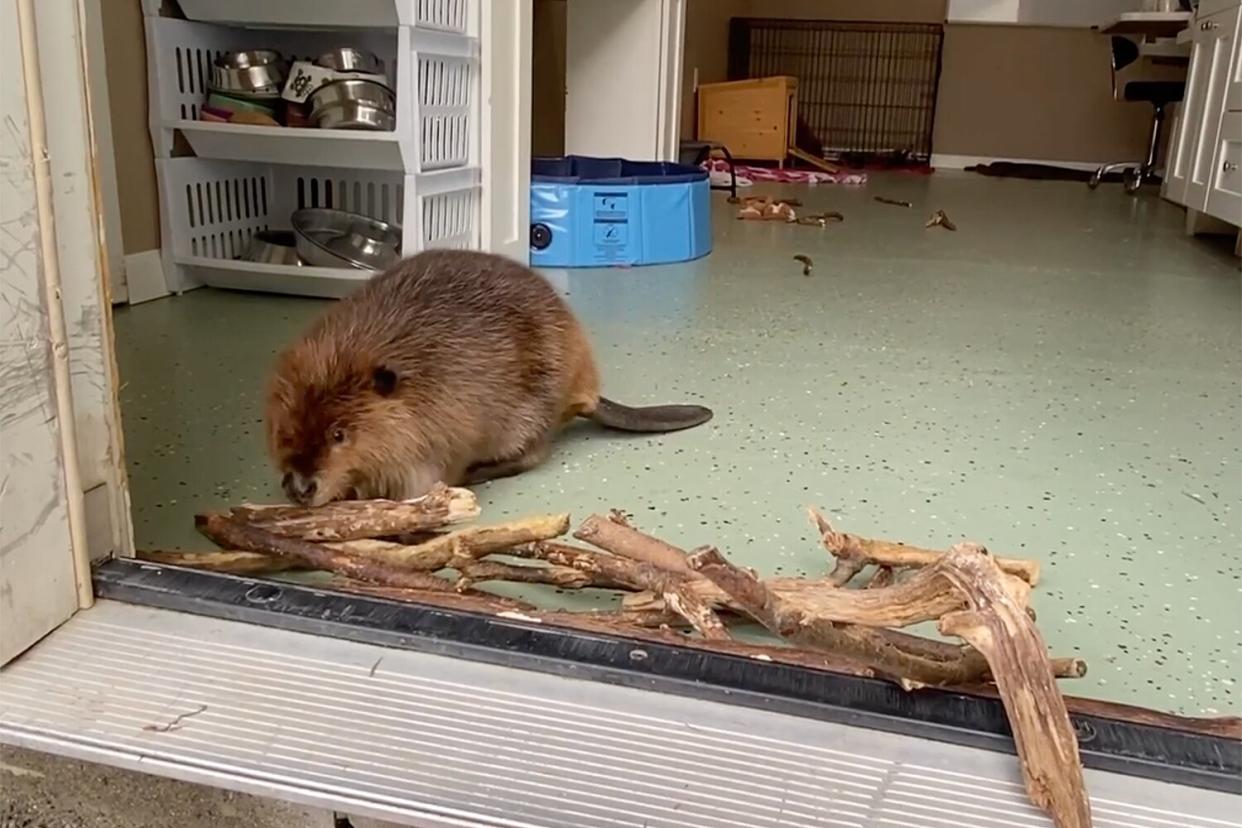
(335, 238)
(353, 103)
(348, 59)
(273, 247)
(258, 73)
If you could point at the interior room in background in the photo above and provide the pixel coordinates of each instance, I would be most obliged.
(948, 272)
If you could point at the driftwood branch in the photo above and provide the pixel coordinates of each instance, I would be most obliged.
(622, 622)
(353, 519)
(391, 550)
(819, 621)
(853, 553)
(674, 587)
(470, 543)
(997, 625)
(232, 561)
(922, 597)
(615, 535)
(472, 571)
(883, 577)
(231, 533)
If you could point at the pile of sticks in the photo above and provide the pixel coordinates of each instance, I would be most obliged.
(410, 551)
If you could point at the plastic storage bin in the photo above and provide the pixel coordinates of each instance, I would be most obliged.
(434, 75)
(211, 208)
(447, 15)
(424, 175)
(592, 212)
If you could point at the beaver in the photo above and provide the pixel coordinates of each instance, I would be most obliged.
(453, 366)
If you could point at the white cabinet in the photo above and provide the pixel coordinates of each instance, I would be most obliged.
(1203, 169)
(1224, 194)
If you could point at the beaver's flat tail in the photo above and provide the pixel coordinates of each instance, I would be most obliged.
(651, 419)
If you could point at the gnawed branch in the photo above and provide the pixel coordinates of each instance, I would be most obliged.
(232, 561)
(354, 519)
(233, 534)
(472, 542)
(996, 624)
(853, 553)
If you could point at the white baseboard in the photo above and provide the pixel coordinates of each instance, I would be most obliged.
(961, 162)
(144, 276)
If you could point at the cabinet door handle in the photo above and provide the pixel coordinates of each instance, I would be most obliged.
(1229, 166)
(1208, 25)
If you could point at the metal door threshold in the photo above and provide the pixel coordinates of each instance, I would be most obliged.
(435, 741)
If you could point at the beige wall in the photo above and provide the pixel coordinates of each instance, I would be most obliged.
(1005, 91)
(547, 99)
(1038, 93)
(909, 11)
(126, 68)
(706, 49)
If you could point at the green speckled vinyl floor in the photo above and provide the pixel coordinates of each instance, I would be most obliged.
(1057, 379)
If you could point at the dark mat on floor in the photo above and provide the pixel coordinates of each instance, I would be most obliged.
(1041, 172)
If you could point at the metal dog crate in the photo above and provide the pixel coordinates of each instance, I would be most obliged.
(865, 88)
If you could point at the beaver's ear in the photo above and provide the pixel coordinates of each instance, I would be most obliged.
(384, 380)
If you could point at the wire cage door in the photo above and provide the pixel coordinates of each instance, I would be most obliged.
(865, 89)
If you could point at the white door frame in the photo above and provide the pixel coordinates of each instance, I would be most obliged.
(105, 156)
(505, 34)
(62, 483)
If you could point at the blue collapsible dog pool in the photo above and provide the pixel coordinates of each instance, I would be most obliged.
(592, 212)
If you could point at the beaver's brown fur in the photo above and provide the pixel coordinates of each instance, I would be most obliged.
(453, 366)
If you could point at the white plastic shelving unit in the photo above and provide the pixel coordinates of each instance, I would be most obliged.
(424, 175)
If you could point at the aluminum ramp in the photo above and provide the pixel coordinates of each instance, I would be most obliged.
(436, 741)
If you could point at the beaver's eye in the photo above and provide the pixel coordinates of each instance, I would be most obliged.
(338, 436)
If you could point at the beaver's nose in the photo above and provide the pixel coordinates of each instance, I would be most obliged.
(300, 489)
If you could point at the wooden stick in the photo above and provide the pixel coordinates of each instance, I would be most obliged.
(941, 219)
(853, 553)
(910, 660)
(621, 573)
(996, 624)
(826, 166)
(232, 561)
(231, 533)
(915, 600)
(674, 587)
(354, 519)
(483, 602)
(472, 572)
(574, 567)
(884, 576)
(472, 542)
(620, 538)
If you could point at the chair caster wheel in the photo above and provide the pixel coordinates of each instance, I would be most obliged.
(1095, 179)
(1134, 180)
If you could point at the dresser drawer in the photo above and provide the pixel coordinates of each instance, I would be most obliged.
(1224, 196)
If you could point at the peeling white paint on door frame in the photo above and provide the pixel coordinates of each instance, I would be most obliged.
(37, 588)
(82, 245)
(58, 383)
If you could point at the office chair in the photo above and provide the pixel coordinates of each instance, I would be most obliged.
(1158, 93)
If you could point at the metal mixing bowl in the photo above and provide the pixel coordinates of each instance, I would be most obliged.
(257, 73)
(335, 238)
(273, 247)
(353, 103)
(348, 59)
